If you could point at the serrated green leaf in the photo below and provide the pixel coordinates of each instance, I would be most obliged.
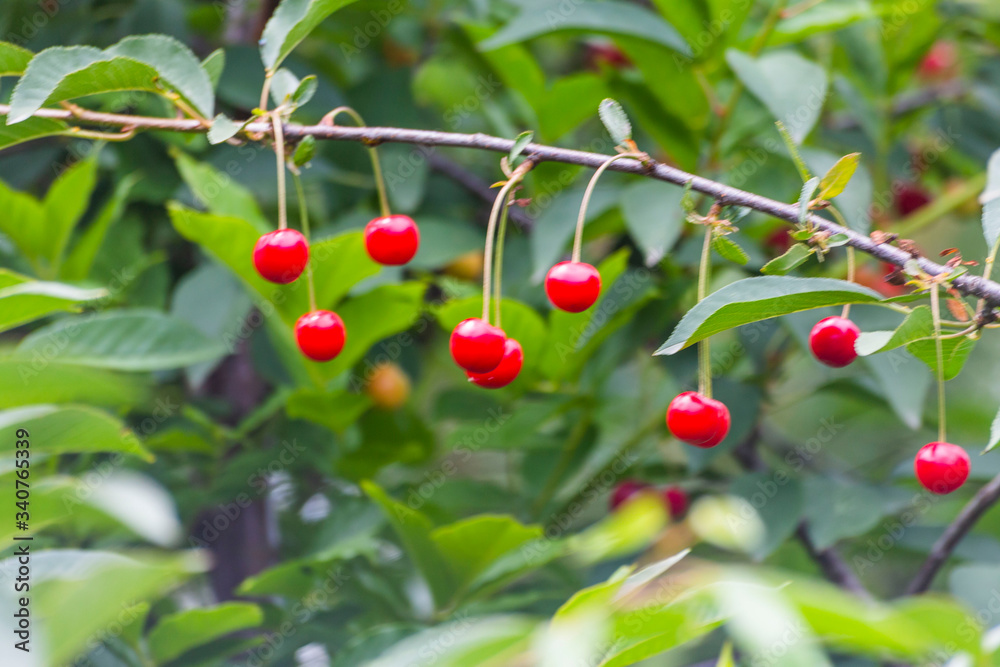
(13, 59)
(729, 249)
(520, 143)
(214, 65)
(761, 298)
(839, 175)
(64, 206)
(615, 120)
(305, 90)
(291, 22)
(32, 128)
(81, 258)
(919, 324)
(223, 129)
(71, 429)
(955, 352)
(790, 260)
(806, 197)
(23, 299)
(305, 151)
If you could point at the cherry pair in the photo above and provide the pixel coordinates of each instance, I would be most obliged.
(698, 420)
(489, 358)
(674, 497)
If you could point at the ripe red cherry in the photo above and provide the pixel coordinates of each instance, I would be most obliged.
(281, 256)
(941, 467)
(625, 491)
(392, 240)
(506, 372)
(698, 420)
(832, 341)
(477, 346)
(677, 501)
(320, 335)
(573, 286)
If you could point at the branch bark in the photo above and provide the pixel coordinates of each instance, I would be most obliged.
(373, 136)
(984, 499)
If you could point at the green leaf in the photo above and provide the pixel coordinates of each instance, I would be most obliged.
(81, 258)
(292, 22)
(629, 529)
(145, 63)
(615, 120)
(13, 59)
(305, 151)
(826, 17)
(468, 642)
(304, 91)
(218, 192)
(838, 508)
(520, 143)
(855, 202)
(839, 175)
(23, 300)
(654, 217)
(778, 499)
(184, 630)
(474, 544)
(42, 380)
(806, 197)
(994, 434)
(414, 531)
(990, 199)
(71, 429)
(223, 129)
(918, 324)
(729, 249)
(792, 259)
(791, 87)
(214, 65)
(131, 340)
(614, 18)
(761, 298)
(64, 206)
(955, 352)
(32, 128)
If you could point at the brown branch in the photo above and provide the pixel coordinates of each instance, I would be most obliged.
(984, 499)
(724, 194)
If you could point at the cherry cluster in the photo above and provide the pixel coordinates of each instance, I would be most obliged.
(281, 257)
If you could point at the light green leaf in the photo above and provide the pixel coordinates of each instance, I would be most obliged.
(839, 175)
(917, 325)
(615, 120)
(184, 630)
(791, 87)
(955, 352)
(414, 531)
(41, 380)
(476, 543)
(654, 217)
(214, 65)
(614, 18)
(825, 17)
(990, 199)
(468, 642)
(218, 192)
(32, 128)
(792, 259)
(994, 434)
(71, 429)
(23, 221)
(755, 299)
(64, 205)
(335, 410)
(729, 249)
(130, 340)
(632, 527)
(291, 22)
(304, 91)
(81, 258)
(13, 59)
(726, 657)
(520, 143)
(23, 300)
(223, 129)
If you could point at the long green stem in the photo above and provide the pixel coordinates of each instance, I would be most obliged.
(383, 197)
(300, 193)
(704, 351)
(582, 218)
(279, 151)
(498, 205)
(498, 268)
(939, 350)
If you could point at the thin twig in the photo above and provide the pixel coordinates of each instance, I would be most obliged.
(967, 284)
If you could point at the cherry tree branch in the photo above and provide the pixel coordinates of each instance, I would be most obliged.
(372, 136)
(985, 498)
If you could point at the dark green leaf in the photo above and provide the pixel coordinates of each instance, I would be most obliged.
(654, 216)
(755, 299)
(23, 300)
(305, 151)
(184, 630)
(32, 128)
(13, 59)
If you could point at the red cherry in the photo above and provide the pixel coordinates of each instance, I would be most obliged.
(281, 256)
(910, 197)
(320, 335)
(573, 286)
(941, 467)
(698, 420)
(832, 341)
(677, 501)
(504, 374)
(392, 240)
(624, 492)
(940, 62)
(477, 346)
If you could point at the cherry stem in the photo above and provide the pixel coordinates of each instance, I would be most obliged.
(279, 151)
(383, 197)
(939, 350)
(578, 238)
(498, 269)
(498, 206)
(265, 90)
(851, 265)
(300, 193)
(704, 351)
